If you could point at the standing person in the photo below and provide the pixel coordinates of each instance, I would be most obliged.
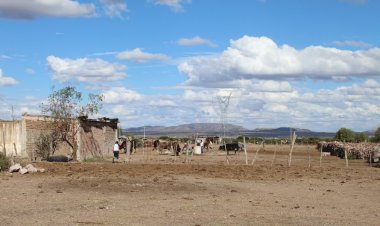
(202, 145)
(115, 151)
(177, 149)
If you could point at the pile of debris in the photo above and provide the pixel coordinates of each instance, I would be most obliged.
(354, 150)
(23, 170)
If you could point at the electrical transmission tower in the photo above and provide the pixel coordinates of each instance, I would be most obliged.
(224, 101)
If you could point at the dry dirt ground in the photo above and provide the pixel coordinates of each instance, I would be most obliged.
(155, 189)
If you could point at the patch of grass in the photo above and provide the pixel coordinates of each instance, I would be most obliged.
(5, 162)
(94, 159)
(351, 157)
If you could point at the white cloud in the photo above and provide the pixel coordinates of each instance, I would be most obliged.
(195, 41)
(274, 97)
(278, 108)
(261, 58)
(5, 57)
(175, 5)
(162, 103)
(138, 56)
(354, 106)
(6, 81)
(115, 8)
(21, 9)
(125, 112)
(199, 96)
(353, 43)
(30, 71)
(272, 86)
(85, 69)
(120, 95)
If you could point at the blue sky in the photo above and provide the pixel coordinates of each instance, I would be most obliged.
(309, 64)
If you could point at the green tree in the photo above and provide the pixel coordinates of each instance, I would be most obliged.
(376, 138)
(361, 137)
(64, 106)
(345, 134)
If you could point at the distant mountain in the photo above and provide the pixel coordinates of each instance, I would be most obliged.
(283, 132)
(370, 132)
(214, 129)
(187, 129)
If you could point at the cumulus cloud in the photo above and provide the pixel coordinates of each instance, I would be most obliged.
(21, 9)
(163, 103)
(175, 5)
(353, 43)
(120, 95)
(354, 106)
(272, 86)
(85, 69)
(275, 107)
(261, 58)
(115, 8)
(195, 41)
(138, 56)
(6, 81)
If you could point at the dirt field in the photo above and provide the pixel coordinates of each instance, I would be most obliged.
(157, 189)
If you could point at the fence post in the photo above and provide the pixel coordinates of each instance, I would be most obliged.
(245, 151)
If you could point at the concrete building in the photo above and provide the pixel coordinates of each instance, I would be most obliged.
(95, 138)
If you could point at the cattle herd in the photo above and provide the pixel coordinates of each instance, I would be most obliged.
(366, 151)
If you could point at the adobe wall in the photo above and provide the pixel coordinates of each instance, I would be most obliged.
(96, 139)
(11, 138)
(36, 125)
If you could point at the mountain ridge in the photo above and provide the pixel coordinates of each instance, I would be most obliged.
(215, 129)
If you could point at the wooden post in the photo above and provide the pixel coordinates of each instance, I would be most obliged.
(187, 151)
(225, 148)
(245, 151)
(345, 156)
(308, 150)
(274, 153)
(291, 149)
(320, 158)
(261, 145)
(143, 149)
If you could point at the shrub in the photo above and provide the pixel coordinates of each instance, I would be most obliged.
(376, 138)
(43, 145)
(5, 162)
(345, 134)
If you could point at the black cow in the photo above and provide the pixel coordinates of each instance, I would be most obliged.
(232, 146)
(59, 158)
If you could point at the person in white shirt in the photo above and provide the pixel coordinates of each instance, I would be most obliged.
(115, 151)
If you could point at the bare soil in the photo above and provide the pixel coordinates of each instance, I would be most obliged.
(153, 189)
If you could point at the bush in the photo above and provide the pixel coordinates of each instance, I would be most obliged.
(5, 162)
(376, 138)
(43, 145)
(345, 135)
